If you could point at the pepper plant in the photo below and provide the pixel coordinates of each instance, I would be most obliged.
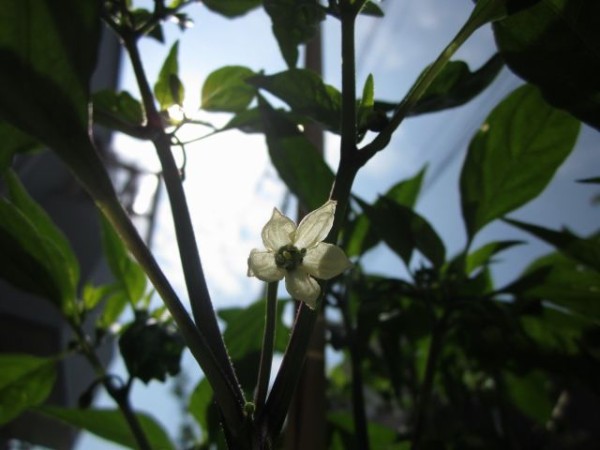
(450, 359)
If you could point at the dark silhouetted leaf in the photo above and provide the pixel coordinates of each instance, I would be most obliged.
(168, 89)
(482, 256)
(306, 94)
(110, 424)
(531, 394)
(295, 158)
(457, 85)
(513, 156)
(371, 9)
(404, 231)
(120, 105)
(556, 45)
(294, 22)
(360, 238)
(594, 180)
(14, 142)
(130, 277)
(226, 89)
(231, 8)
(586, 251)
(25, 381)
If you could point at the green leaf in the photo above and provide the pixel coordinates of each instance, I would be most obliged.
(231, 8)
(556, 46)
(200, 400)
(360, 235)
(564, 282)
(457, 85)
(13, 141)
(482, 256)
(45, 227)
(248, 121)
(294, 22)
(586, 251)
(404, 231)
(35, 255)
(44, 84)
(168, 88)
(513, 156)
(244, 330)
(109, 424)
(295, 158)
(306, 94)
(530, 394)
(226, 89)
(25, 381)
(131, 279)
(372, 9)
(122, 106)
(151, 349)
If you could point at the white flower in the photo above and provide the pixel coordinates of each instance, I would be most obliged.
(298, 253)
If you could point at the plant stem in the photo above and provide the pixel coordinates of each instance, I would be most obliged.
(202, 308)
(120, 396)
(358, 399)
(266, 356)
(420, 87)
(439, 330)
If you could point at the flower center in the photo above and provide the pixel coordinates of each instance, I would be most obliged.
(289, 257)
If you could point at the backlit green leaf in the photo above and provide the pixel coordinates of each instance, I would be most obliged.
(168, 89)
(226, 89)
(457, 85)
(513, 156)
(483, 255)
(304, 91)
(556, 45)
(121, 106)
(294, 23)
(25, 381)
(110, 424)
(296, 160)
(231, 8)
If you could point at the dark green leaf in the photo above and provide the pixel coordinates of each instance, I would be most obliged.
(44, 225)
(35, 255)
(380, 436)
(295, 158)
(482, 256)
(586, 251)
(371, 9)
(131, 279)
(13, 141)
(163, 89)
(531, 394)
(200, 399)
(248, 121)
(360, 237)
(226, 89)
(140, 17)
(231, 8)
(564, 282)
(556, 45)
(44, 83)
(120, 105)
(457, 85)
(25, 381)
(109, 424)
(244, 330)
(513, 156)
(306, 94)
(151, 349)
(294, 22)
(404, 231)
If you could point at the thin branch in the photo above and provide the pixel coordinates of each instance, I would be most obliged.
(266, 356)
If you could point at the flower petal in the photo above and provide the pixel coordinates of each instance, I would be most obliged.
(302, 287)
(325, 261)
(261, 264)
(315, 226)
(278, 231)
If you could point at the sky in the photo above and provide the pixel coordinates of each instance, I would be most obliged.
(232, 188)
